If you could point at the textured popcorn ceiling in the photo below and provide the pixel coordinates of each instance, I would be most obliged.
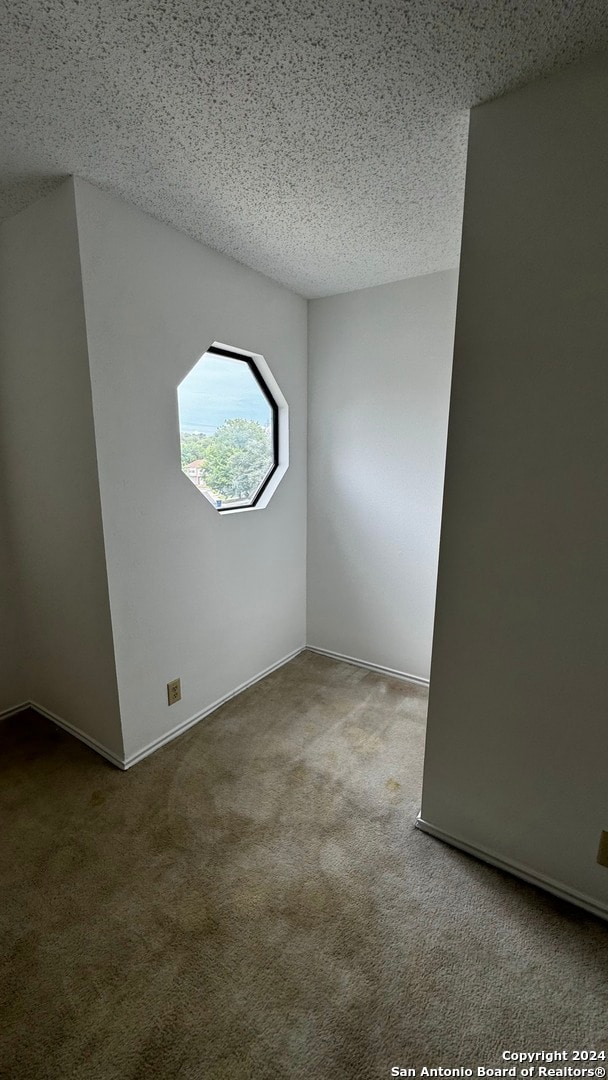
(320, 141)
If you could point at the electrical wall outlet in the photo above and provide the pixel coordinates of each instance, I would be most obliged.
(174, 691)
(602, 851)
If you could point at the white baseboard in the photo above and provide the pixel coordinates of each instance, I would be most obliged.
(394, 674)
(5, 713)
(78, 734)
(156, 744)
(564, 892)
(126, 763)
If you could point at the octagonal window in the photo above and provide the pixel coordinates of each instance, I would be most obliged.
(229, 429)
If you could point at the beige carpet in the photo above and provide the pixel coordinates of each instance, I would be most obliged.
(254, 902)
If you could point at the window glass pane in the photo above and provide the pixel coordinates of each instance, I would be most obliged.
(226, 430)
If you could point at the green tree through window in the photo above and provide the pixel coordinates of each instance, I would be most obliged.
(193, 446)
(236, 459)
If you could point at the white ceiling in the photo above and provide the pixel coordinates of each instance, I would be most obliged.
(320, 141)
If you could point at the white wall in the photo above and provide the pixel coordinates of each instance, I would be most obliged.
(517, 747)
(12, 690)
(379, 384)
(214, 599)
(52, 510)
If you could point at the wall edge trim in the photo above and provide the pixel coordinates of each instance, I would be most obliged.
(564, 892)
(393, 672)
(156, 744)
(78, 734)
(14, 709)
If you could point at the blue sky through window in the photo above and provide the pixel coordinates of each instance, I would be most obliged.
(219, 389)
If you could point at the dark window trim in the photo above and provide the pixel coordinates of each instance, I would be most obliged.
(247, 359)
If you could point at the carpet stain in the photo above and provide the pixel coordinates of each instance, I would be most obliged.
(363, 741)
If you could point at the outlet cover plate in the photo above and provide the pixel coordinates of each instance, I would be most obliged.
(174, 691)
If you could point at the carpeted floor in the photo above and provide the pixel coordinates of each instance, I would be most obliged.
(254, 902)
